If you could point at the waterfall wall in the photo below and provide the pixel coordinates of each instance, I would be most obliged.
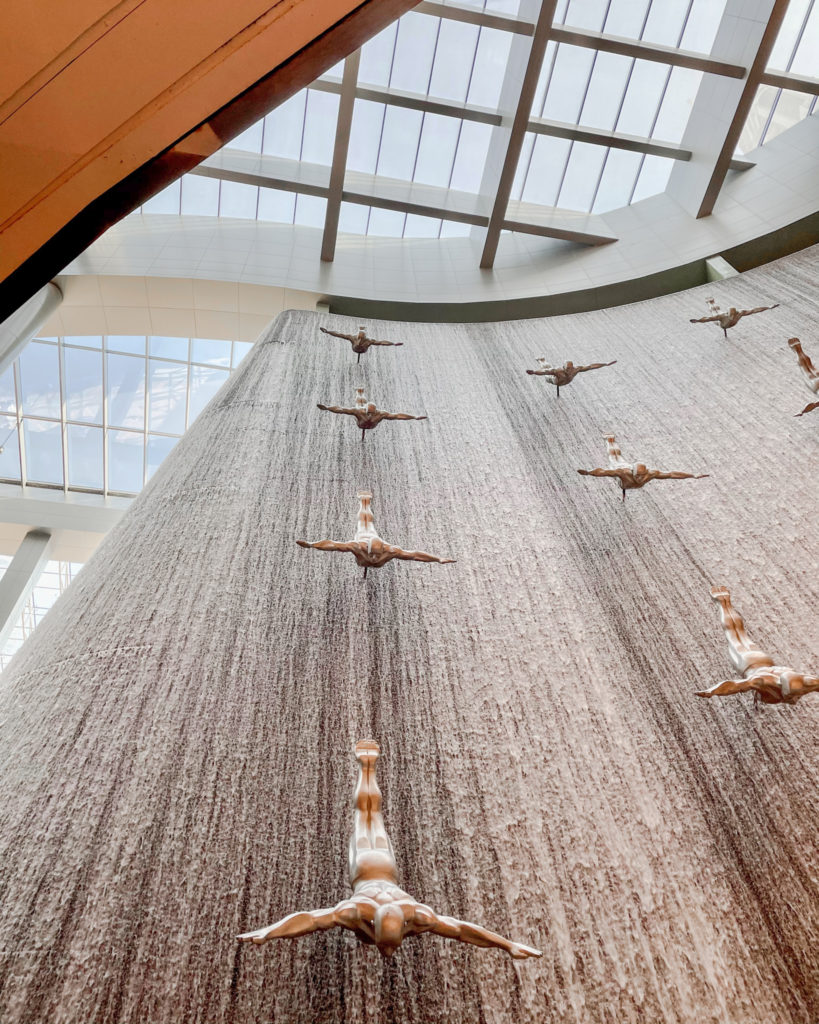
(176, 740)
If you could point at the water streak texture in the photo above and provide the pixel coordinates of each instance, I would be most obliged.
(175, 742)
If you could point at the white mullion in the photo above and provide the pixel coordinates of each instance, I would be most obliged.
(105, 423)
(145, 422)
(63, 411)
(18, 396)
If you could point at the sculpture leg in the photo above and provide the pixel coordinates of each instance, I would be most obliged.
(359, 358)
(743, 653)
(616, 460)
(371, 853)
(558, 391)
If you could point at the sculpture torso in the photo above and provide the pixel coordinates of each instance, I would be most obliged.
(372, 553)
(783, 685)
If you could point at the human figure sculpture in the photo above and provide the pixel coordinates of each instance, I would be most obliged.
(360, 341)
(809, 370)
(731, 318)
(366, 414)
(368, 549)
(631, 476)
(565, 374)
(379, 912)
(772, 684)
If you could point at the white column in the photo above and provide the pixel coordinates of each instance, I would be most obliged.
(19, 579)
(17, 330)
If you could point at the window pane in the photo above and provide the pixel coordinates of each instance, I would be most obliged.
(125, 454)
(85, 456)
(8, 402)
(170, 348)
(168, 386)
(84, 340)
(238, 200)
(126, 343)
(126, 391)
(240, 350)
(205, 382)
(10, 455)
(206, 350)
(200, 195)
(158, 449)
(83, 384)
(40, 379)
(44, 451)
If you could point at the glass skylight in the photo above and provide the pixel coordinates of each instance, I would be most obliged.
(100, 414)
(795, 52)
(424, 58)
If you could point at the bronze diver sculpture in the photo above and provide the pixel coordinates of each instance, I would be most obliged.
(379, 912)
(565, 374)
(360, 341)
(810, 372)
(631, 476)
(772, 684)
(368, 549)
(366, 415)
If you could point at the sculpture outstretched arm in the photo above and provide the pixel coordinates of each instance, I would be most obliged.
(757, 309)
(655, 474)
(699, 320)
(729, 686)
(336, 334)
(808, 408)
(416, 556)
(594, 366)
(338, 409)
(326, 545)
(400, 416)
(542, 373)
(463, 931)
(303, 922)
(387, 343)
(599, 472)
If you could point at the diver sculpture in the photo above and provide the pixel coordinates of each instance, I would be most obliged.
(630, 476)
(379, 912)
(366, 415)
(368, 549)
(563, 375)
(731, 318)
(809, 370)
(360, 341)
(772, 684)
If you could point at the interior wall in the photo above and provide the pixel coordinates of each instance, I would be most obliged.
(175, 748)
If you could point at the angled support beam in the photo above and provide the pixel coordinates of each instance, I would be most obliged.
(476, 16)
(616, 140)
(646, 51)
(413, 101)
(743, 107)
(746, 35)
(339, 164)
(795, 83)
(517, 132)
(566, 234)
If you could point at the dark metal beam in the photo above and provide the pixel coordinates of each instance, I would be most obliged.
(645, 51)
(518, 131)
(743, 108)
(340, 148)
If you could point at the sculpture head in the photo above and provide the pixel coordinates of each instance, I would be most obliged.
(371, 407)
(732, 310)
(388, 925)
(640, 468)
(361, 332)
(569, 364)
